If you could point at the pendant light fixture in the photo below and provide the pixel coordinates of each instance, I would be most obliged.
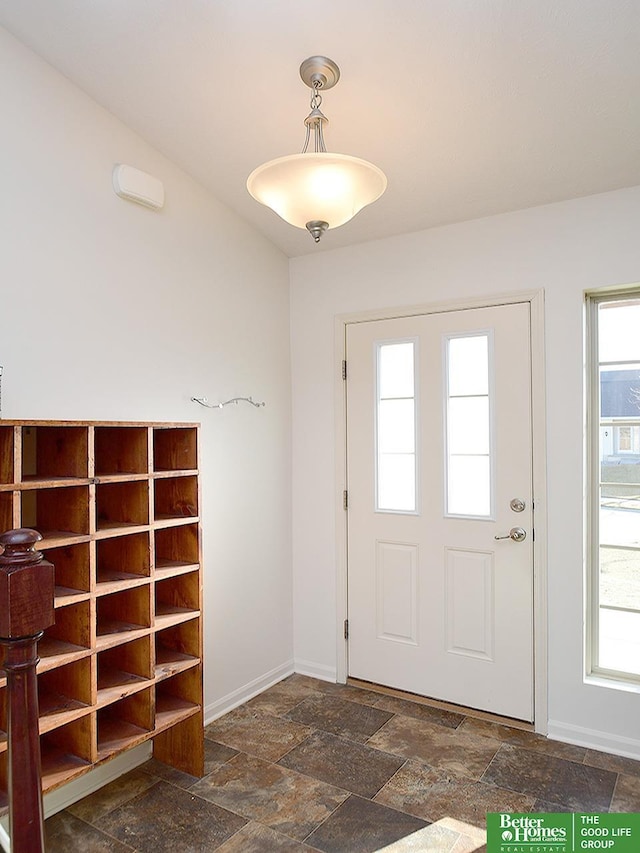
(317, 190)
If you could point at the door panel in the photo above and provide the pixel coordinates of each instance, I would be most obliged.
(438, 444)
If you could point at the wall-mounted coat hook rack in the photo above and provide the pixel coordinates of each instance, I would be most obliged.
(204, 402)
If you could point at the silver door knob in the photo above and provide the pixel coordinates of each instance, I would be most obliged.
(517, 505)
(516, 534)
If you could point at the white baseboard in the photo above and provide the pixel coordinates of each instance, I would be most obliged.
(315, 670)
(594, 739)
(248, 691)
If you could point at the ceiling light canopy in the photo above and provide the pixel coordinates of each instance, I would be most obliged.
(317, 190)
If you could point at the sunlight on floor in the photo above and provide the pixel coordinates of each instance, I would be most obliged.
(446, 835)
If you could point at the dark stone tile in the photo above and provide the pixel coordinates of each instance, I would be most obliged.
(436, 745)
(615, 763)
(419, 711)
(215, 755)
(283, 799)
(255, 838)
(340, 717)
(361, 826)
(111, 796)
(158, 770)
(525, 740)
(433, 794)
(552, 808)
(64, 832)
(626, 796)
(584, 789)
(166, 818)
(257, 733)
(352, 766)
(282, 697)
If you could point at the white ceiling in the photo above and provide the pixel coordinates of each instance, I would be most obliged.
(470, 107)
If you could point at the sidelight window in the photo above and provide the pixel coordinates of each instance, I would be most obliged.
(613, 415)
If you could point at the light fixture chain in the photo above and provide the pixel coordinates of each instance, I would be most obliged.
(316, 97)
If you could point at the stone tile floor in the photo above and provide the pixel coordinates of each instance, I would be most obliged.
(308, 765)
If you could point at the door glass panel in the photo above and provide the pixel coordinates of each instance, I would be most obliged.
(397, 482)
(395, 370)
(468, 421)
(396, 427)
(468, 366)
(468, 425)
(469, 491)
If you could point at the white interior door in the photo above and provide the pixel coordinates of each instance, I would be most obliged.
(439, 456)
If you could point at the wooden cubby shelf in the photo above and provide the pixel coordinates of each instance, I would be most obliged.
(55, 452)
(124, 670)
(177, 649)
(72, 573)
(122, 505)
(118, 507)
(6, 455)
(175, 498)
(175, 449)
(6, 510)
(61, 515)
(122, 562)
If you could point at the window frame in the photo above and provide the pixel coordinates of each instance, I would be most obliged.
(593, 670)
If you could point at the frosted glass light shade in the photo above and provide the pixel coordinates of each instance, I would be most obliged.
(321, 187)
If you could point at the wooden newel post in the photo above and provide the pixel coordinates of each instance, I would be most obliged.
(26, 609)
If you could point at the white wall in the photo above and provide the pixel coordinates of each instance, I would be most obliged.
(563, 248)
(112, 311)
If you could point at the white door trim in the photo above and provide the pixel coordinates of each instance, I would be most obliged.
(538, 408)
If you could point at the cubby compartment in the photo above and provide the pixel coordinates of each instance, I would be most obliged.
(176, 550)
(177, 599)
(121, 450)
(122, 505)
(72, 569)
(54, 452)
(125, 723)
(177, 698)
(175, 497)
(122, 562)
(68, 639)
(121, 616)
(7, 474)
(175, 449)
(177, 649)
(57, 514)
(123, 670)
(67, 752)
(64, 694)
(6, 511)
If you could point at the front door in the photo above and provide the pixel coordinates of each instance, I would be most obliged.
(439, 475)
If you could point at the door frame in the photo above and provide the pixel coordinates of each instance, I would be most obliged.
(535, 300)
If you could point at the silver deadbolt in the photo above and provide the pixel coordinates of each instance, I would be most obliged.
(517, 505)
(516, 534)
